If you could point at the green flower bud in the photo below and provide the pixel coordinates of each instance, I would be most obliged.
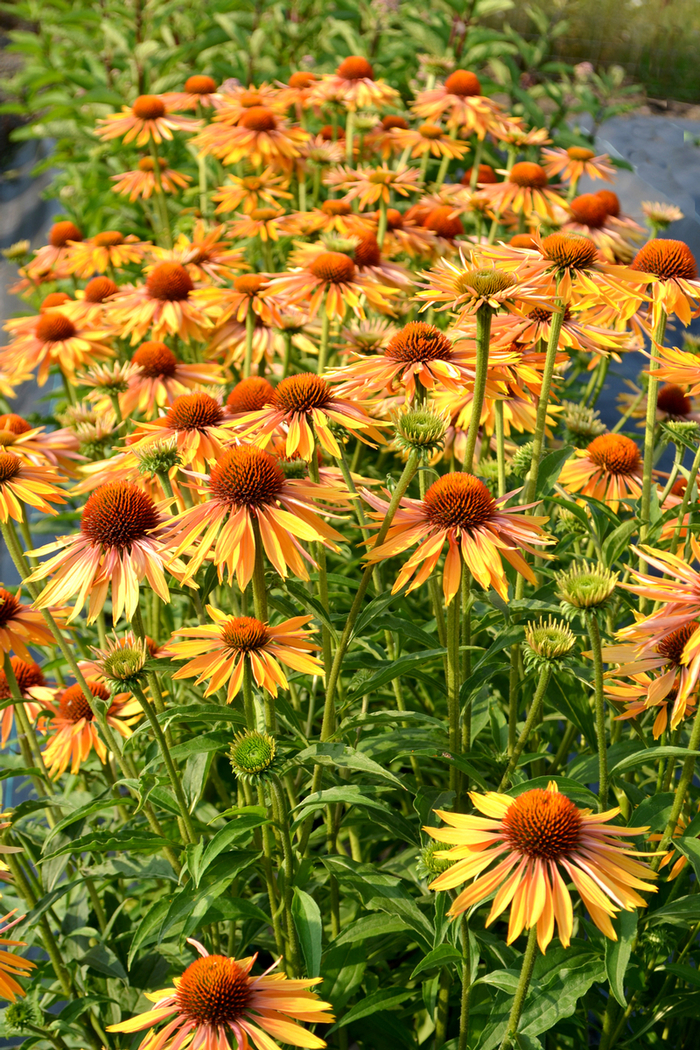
(547, 643)
(430, 865)
(521, 460)
(158, 458)
(585, 587)
(122, 661)
(253, 755)
(334, 243)
(19, 1015)
(681, 431)
(582, 423)
(420, 429)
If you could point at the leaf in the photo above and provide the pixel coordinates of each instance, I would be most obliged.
(371, 926)
(371, 1004)
(348, 758)
(617, 542)
(103, 959)
(690, 848)
(617, 954)
(408, 910)
(439, 956)
(682, 912)
(650, 754)
(309, 926)
(653, 812)
(550, 468)
(248, 818)
(151, 921)
(312, 605)
(391, 669)
(85, 811)
(117, 842)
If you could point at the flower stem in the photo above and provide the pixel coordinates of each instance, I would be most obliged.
(249, 330)
(466, 987)
(530, 492)
(684, 780)
(160, 197)
(320, 556)
(248, 702)
(279, 806)
(594, 636)
(444, 163)
(381, 229)
(649, 431)
(325, 331)
(167, 759)
(483, 337)
(442, 1008)
(454, 677)
(287, 354)
(522, 989)
(531, 721)
(673, 475)
(500, 447)
(683, 508)
(261, 613)
(269, 865)
(26, 736)
(349, 133)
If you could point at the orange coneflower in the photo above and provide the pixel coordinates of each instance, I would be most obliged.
(304, 407)
(75, 734)
(371, 185)
(295, 94)
(468, 284)
(443, 220)
(597, 215)
(333, 216)
(331, 277)
(55, 340)
(20, 626)
(608, 469)
(161, 377)
(525, 191)
(236, 100)
(570, 164)
(25, 325)
(381, 140)
(52, 258)
(250, 395)
(269, 224)
(250, 292)
(87, 309)
(252, 191)
(536, 836)
(353, 85)
(513, 132)
(107, 249)
(198, 91)
(148, 120)
(12, 964)
(419, 353)
(207, 255)
(404, 234)
(678, 367)
(37, 445)
(32, 687)
(479, 530)
(217, 653)
(367, 256)
(163, 305)
(430, 139)
(196, 422)
(26, 484)
(120, 543)
(261, 137)
(248, 500)
(460, 101)
(217, 1005)
(678, 598)
(673, 688)
(671, 266)
(142, 182)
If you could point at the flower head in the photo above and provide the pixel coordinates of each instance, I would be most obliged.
(217, 1003)
(479, 530)
(608, 469)
(586, 587)
(24, 484)
(219, 652)
(536, 837)
(164, 305)
(21, 626)
(12, 965)
(672, 268)
(119, 544)
(147, 120)
(142, 181)
(73, 733)
(253, 756)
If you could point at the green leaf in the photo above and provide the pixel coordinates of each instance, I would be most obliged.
(690, 848)
(113, 842)
(371, 1004)
(391, 669)
(371, 926)
(98, 806)
(439, 956)
(550, 468)
(103, 959)
(348, 758)
(311, 604)
(151, 921)
(682, 912)
(617, 542)
(617, 954)
(653, 812)
(650, 754)
(309, 926)
(248, 818)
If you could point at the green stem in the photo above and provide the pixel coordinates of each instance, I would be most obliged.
(673, 475)
(287, 336)
(444, 163)
(249, 331)
(454, 677)
(466, 987)
(521, 991)
(279, 803)
(349, 134)
(543, 404)
(325, 331)
(442, 1008)
(160, 197)
(500, 447)
(649, 431)
(683, 784)
(248, 702)
(531, 721)
(25, 731)
(269, 865)
(594, 636)
(167, 759)
(683, 508)
(261, 613)
(483, 338)
(381, 229)
(320, 556)
(476, 162)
